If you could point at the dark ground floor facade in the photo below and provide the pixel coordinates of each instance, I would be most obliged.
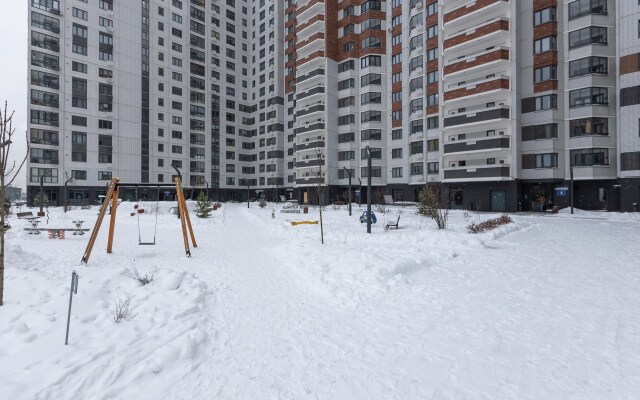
(503, 196)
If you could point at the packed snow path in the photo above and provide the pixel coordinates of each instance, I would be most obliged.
(545, 308)
(542, 326)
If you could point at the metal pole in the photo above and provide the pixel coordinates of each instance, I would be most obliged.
(41, 213)
(360, 197)
(248, 196)
(74, 289)
(571, 174)
(349, 172)
(66, 197)
(368, 190)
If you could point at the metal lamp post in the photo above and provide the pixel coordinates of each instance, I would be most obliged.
(368, 190)
(248, 196)
(41, 212)
(349, 172)
(571, 175)
(66, 195)
(360, 197)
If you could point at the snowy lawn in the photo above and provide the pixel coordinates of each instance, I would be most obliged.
(547, 307)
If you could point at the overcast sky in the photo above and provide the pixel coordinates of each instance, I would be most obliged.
(13, 72)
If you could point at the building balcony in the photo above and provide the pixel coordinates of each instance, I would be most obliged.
(476, 117)
(478, 145)
(478, 172)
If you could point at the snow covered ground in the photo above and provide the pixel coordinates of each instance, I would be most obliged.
(545, 308)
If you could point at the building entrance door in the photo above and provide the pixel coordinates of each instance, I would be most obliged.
(456, 199)
(498, 201)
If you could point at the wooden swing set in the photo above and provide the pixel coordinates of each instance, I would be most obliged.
(112, 199)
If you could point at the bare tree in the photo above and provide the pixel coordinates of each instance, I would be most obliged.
(320, 185)
(8, 174)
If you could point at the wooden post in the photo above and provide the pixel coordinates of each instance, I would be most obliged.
(188, 219)
(112, 222)
(96, 228)
(181, 211)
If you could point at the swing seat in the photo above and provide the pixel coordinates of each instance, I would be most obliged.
(146, 243)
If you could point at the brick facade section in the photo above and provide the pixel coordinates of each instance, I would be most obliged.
(483, 59)
(462, 11)
(496, 84)
(495, 26)
(630, 64)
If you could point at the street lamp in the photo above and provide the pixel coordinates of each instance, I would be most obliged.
(248, 194)
(349, 172)
(41, 213)
(360, 197)
(368, 190)
(571, 175)
(66, 194)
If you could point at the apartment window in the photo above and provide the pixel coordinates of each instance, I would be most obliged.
(42, 98)
(346, 84)
(589, 157)
(589, 126)
(396, 78)
(346, 102)
(416, 42)
(396, 58)
(79, 175)
(346, 120)
(376, 172)
(416, 84)
(346, 66)
(396, 172)
(547, 73)
(396, 40)
(545, 44)
(105, 22)
(50, 175)
(416, 21)
(371, 134)
(548, 160)
(106, 5)
(432, 9)
(376, 153)
(416, 105)
(371, 98)
(433, 77)
(543, 16)
(370, 61)
(104, 124)
(432, 54)
(396, 153)
(547, 102)
(396, 115)
(81, 14)
(370, 42)
(433, 123)
(415, 63)
(588, 96)
(42, 136)
(104, 175)
(416, 126)
(346, 155)
(370, 79)
(44, 156)
(395, 21)
(346, 137)
(588, 66)
(371, 23)
(79, 49)
(587, 36)
(432, 32)
(539, 132)
(77, 120)
(80, 31)
(433, 145)
(78, 138)
(348, 47)
(581, 8)
(370, 5)
(417, 168)
(370, 116)
(396, 134)
(433, 168)
(432, 100)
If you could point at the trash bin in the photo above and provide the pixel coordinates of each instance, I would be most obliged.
(305, 210)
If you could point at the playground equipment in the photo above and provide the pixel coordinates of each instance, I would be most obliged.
(294, 223)
(364, 216)
(112, 196)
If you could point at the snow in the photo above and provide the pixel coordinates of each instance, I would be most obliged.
(544, 308)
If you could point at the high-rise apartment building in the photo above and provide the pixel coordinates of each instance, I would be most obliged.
(498, 102)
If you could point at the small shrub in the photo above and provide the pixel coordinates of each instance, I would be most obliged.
(203, 207)
(144, 279)
(429, 205)
(121, 311)
(489, 224)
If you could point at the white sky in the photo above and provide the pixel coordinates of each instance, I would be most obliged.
(13, 72)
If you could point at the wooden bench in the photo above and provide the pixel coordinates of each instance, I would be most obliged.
(56, 232)
(390, 225)
(24, 215)
(290, 210)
